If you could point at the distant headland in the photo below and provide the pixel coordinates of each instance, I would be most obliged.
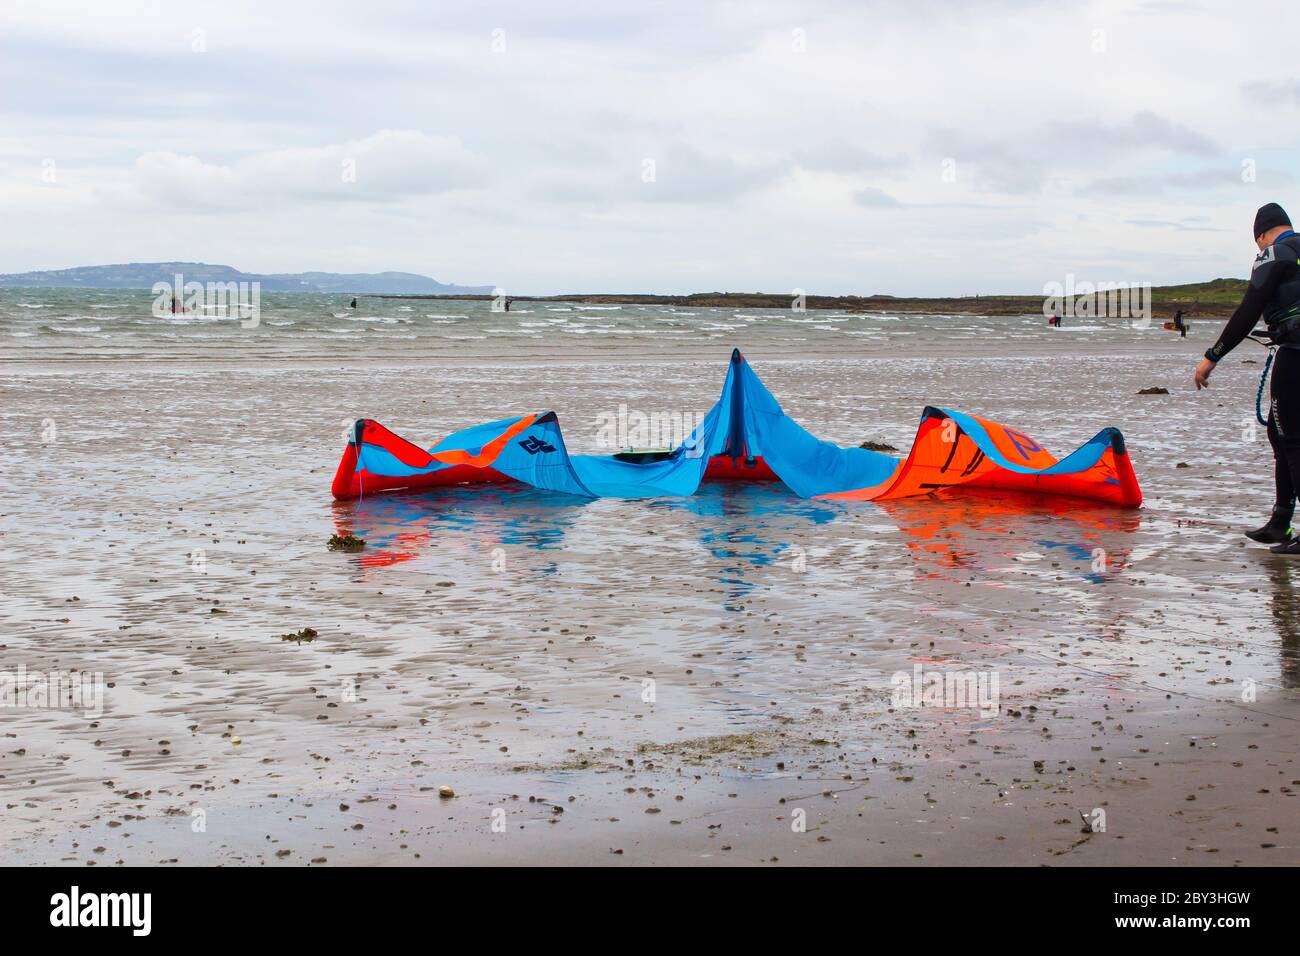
(142, 275)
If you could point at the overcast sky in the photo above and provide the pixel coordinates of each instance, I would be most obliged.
(918, 147)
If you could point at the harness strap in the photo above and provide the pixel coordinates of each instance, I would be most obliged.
(1263, 379)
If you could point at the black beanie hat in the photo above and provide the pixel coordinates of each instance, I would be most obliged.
(1270, 215)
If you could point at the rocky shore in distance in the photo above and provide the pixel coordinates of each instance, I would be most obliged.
(1215, 299)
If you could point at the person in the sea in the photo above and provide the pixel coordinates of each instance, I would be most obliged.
(352, 304)
(1179, 324)
(1273, 294)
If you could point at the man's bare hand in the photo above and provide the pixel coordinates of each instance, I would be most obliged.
(1202, 375)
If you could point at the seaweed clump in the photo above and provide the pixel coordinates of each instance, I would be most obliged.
(348, 542)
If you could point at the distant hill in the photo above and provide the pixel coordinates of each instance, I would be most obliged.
(1223, 292)
(142, 275)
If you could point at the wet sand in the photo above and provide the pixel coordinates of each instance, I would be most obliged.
(500, 642)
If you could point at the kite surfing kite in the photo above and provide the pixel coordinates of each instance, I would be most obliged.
(744, 437)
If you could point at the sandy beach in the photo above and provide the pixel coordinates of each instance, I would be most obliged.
(702, 680)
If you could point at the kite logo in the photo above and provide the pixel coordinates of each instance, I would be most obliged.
(1024, 444)
(532, 444)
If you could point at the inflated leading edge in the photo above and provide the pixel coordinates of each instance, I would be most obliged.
(745, 436)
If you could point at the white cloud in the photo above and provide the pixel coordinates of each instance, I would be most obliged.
(875, 198)
(389, 166)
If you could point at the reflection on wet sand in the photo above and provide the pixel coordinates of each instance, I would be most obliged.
(741, 526)
(1060, 550)
(752, 527)
(1285, 606)
(960, 531)
(400, 525)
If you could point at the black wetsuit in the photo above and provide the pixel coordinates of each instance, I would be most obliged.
(1274, 295)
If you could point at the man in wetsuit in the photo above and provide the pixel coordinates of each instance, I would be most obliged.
(1274, 295)
(1179, 324)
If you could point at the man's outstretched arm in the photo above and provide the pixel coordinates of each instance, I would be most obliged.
(1264, 278)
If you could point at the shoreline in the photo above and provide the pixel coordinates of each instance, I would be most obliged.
(992, 305)
(710, 360)
(1217, 301)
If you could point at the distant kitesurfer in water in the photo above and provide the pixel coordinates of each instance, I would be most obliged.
(352, 304)
(1179, 325)
(507, 305)
(1055, 320)
(1274, 295)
